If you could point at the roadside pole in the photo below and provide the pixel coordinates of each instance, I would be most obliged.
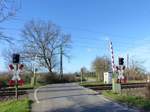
(34, 76)
(34, 72)
(81, 75)
(16, 81)
(61, 62)
(127, 67)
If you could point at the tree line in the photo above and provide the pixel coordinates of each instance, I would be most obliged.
(101, 64)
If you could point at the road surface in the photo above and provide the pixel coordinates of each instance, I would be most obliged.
(72, 98)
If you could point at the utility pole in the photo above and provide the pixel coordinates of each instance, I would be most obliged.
(127, 61)
(61, 62)
(16, 82)
(127, 67)
(81, 75)
(34, 71)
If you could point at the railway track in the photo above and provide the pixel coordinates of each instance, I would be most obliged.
(11, 91)
(123, 86)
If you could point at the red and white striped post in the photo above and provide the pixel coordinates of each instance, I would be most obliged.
(112, 57)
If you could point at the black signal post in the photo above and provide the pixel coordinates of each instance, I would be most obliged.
(16, 60)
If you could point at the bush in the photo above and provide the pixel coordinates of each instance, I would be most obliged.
(26, 78)
(4, 80)
(54, 78)
(47, 79)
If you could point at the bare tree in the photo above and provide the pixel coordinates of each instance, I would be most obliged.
(101, 65)
(44, 40)
(135, 71)
(8, 9)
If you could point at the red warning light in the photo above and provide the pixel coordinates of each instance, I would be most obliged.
(21, 66)
(11, 67)
(21, 82)
(11, 83)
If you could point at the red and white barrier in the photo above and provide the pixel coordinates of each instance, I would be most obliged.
(112, 57)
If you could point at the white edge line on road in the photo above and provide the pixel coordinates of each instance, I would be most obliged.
(35, 94)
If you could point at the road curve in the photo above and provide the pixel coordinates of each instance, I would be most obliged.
(71, 97)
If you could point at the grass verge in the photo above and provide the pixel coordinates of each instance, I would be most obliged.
(129, 100)
(23, 105)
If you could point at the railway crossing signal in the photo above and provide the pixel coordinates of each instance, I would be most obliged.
(16, 68)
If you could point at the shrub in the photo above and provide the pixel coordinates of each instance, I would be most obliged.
(26, 78)
(54, 78)
(4, 80)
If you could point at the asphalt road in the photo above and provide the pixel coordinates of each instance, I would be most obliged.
(72, 98)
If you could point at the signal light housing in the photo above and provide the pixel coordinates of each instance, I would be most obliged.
(121, 61)
(16, 58)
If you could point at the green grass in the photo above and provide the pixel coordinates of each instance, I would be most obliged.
(130, 100)
(136, 81)
(86, 83)
(26, 85)
(15, 106)
(29, 85)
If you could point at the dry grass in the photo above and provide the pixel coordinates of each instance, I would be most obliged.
(131, 100)
(140, 92)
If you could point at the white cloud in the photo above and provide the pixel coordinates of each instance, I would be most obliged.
(90, 49)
